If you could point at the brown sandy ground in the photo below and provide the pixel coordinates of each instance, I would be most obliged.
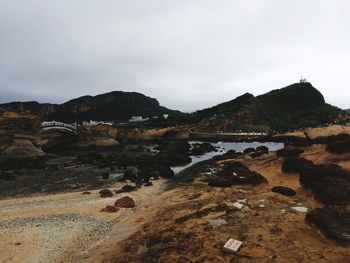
(57, 228)
(192, 222)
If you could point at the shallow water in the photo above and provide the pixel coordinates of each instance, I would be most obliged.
(224, 147)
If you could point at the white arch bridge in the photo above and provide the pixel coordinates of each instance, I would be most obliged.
(58, 126)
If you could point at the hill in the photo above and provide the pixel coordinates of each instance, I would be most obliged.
(116, 105)
(296, 106)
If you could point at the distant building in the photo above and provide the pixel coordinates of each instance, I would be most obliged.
(138, 119)
(94, 123)
(302, 80)
(165, 116)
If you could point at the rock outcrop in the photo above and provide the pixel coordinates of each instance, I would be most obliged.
(283, 190)
(125, 202)
(296, 165)
(289, 151)
(333, 222)
(236, 174)
(20, 139)
(329, 183)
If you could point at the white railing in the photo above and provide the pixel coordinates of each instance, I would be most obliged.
(58, 124)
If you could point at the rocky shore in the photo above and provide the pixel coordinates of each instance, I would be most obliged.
(104, 195)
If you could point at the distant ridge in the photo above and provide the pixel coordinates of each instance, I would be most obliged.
(115, 105)
(296, 106)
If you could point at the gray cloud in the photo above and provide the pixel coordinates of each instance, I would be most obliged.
(187, 54)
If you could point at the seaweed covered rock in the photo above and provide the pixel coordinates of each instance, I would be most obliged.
(338, 143)
(289, 151)
(329, 183)
(295, 165)
(249, 150)
(333, 222)
(202, 148)
(257, 154)
(236, 174)
(262, 148)
(283, 190)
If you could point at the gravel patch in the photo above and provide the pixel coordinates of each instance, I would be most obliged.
(53, 238)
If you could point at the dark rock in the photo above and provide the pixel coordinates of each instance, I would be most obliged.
(249, 150)
(125, 202)
(329, 183)
(86, 193)
(30, 163)
(283, 190)
(339, 144)
(263, 149)
(148, 184)
(289, 151)
(178, 159)
(230, 153)
(332, 138)
(105, 176)
(333, 222)
(105, 193)
(7, 175)
(110, 209)
(235, 174)
(202, 148)
(166, 172)
(126, 189)
(257, 154)
(295, 165)
(90, 157)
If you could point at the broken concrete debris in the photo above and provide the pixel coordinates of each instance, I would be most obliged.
(232, 246)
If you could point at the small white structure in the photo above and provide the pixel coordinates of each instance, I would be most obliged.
(138, 119)
(238, 205)
(165, 116)
(232, 246)
(302, 80)
(94, 123)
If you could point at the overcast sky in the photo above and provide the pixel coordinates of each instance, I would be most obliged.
(187, 54)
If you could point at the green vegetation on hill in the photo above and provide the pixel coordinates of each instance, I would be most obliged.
(296, 106)
(112, 106)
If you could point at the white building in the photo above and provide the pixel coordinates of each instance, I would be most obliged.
(138, 119)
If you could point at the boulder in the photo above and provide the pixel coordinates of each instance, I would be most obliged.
(249, 150)
(283, 190)
(235, 174)
(110, 209)
(257, 154)
(178, 159)
(289, 151)
(339, 144)
(295, 165)
(125, 202)
(126, 189)
(105, 193)
(263, 149)
(329, 183)
(166, 172)
(333, 222)
(202, 148)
